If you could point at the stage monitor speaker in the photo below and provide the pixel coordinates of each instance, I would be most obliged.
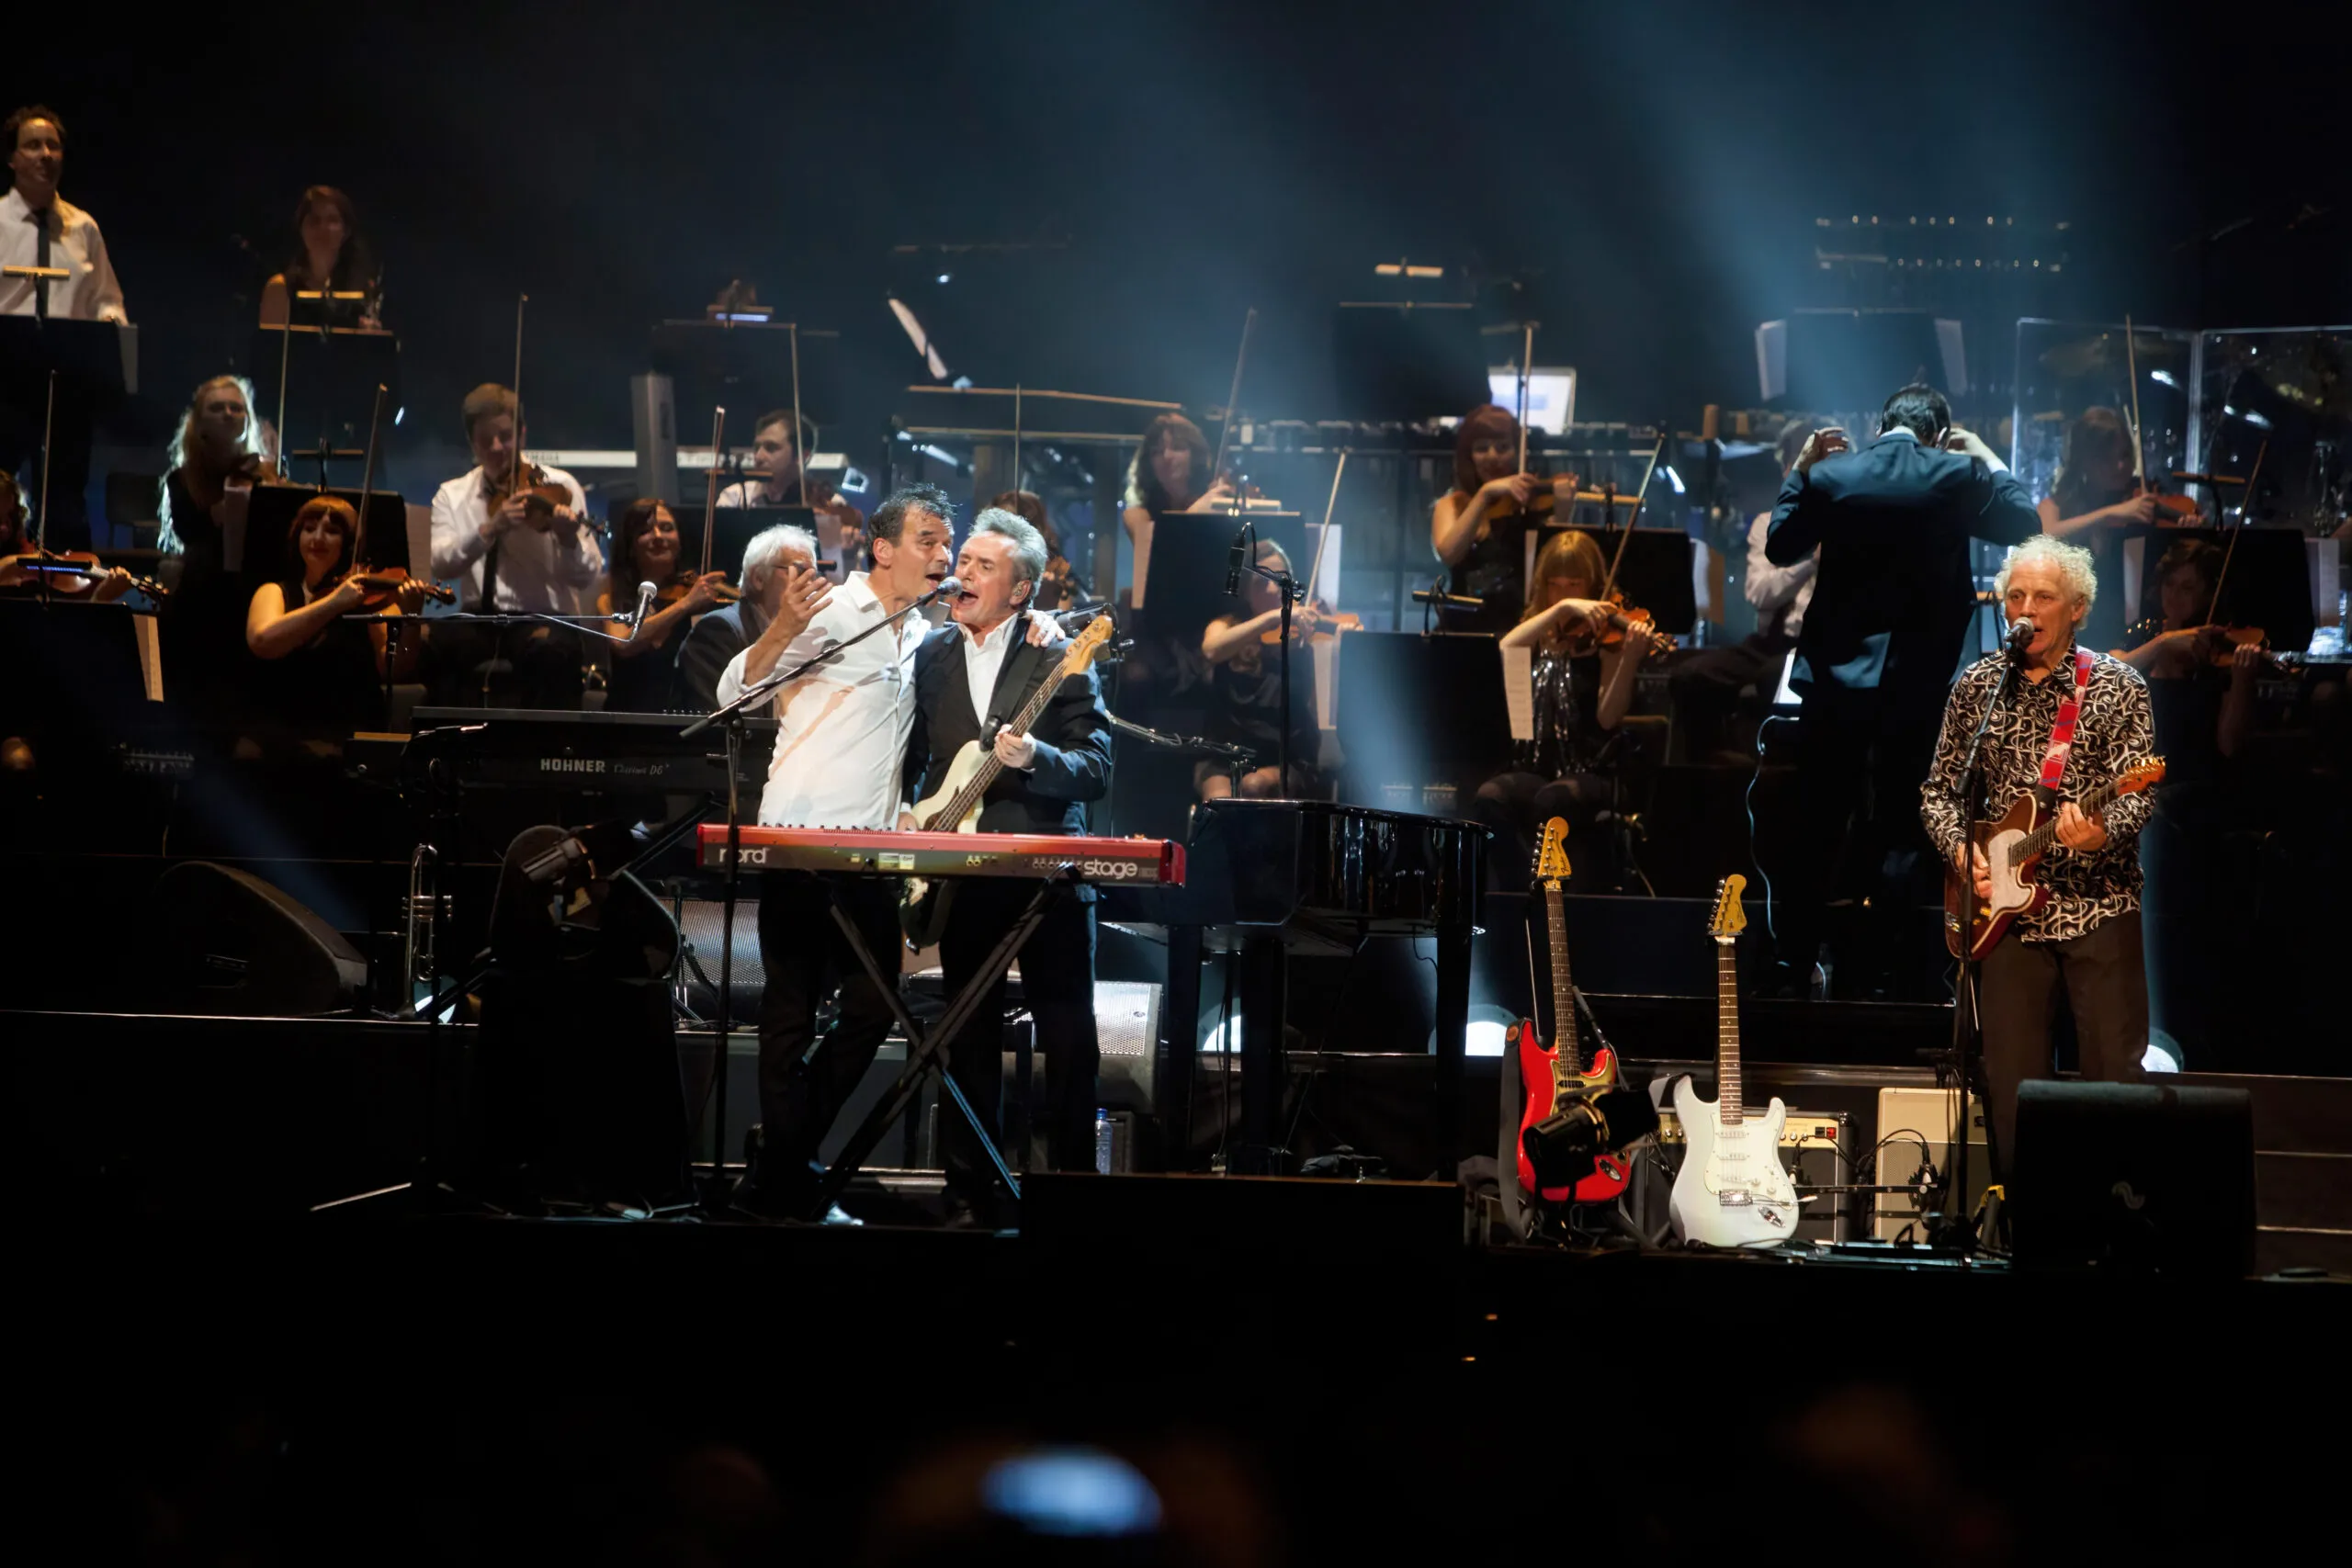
(216, 941)
(2133, 1176)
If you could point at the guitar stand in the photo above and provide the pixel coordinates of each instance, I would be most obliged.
(927, 1049)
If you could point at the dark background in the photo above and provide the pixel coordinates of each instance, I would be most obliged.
(1653, 171)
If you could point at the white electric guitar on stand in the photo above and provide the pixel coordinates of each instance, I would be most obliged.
(1731, 1190)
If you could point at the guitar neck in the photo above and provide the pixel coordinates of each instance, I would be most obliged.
(968, 797)
(1729, 1097)
(2038, 841)
(1564, 1002)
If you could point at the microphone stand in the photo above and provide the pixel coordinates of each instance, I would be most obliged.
(1967, 1024)
(731, 716)
(1287, 587)
(1238, 760)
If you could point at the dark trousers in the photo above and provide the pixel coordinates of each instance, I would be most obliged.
(1858, 826)
(1517, 804)
(2103, 980)
(1058, 986)
(804, 1081)
(1706, 687)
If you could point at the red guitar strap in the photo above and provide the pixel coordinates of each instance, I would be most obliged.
(2062, 734)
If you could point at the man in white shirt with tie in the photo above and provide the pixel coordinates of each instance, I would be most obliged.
(39, 228)
(522, 556)
(840, 745)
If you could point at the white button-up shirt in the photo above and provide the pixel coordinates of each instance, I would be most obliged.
(90, 295)
(841, 741)
(984, 658)
(1769, 587)
(534, 572)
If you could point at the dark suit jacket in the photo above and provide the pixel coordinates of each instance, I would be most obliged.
(1073, 736)
(703, 657)
(1895, 595)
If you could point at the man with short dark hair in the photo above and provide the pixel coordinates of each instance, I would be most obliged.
(972, 678)
(776, 453)
(39, 228)
(1893, 600)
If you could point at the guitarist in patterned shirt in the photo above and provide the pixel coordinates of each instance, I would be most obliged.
(2083, 944)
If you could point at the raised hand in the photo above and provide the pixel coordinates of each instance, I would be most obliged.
(1827, 441)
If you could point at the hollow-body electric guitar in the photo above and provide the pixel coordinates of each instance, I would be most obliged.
(2014, 848)
(1551, 1075)
(1731, 1190)
(955, 806)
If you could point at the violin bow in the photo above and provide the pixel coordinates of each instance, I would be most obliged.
(2131, 368)
(368, 480)
(710, 489)
(1631, 517)
(515, 479)
(1526, 369)
(1314, 572)
(1232, 396)
(2221, 577)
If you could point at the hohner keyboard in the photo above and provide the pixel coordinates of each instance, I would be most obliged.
(503, 748)
(1153, 861)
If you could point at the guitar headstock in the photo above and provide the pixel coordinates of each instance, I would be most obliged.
(2140, 776)
(1729, 920)
(1087, 646)
(1552, 855)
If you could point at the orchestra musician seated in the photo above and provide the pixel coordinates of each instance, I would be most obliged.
(773, 556)
(1171, 474)
(646, 550)
(2096, 491)
(323, 671)
(775, 455)
(1583, 689)
(1482, 562)
(329, 256)
(215, 461)
(18, 549)
(1244, 655)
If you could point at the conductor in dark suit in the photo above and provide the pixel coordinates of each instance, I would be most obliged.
(718, 638)
(1891, 608)
(971, 678)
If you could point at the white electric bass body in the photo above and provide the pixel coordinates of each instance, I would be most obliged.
(1731, 1190)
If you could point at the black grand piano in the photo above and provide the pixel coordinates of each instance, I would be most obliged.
(1265, 878)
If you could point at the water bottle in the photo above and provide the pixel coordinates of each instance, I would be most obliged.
(1101, 1142)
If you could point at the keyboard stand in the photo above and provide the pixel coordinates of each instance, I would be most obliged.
(927, 1051)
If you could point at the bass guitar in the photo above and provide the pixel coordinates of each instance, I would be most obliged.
(2014, 848)
(1731, 1190)
(1559, 1073)
(955, 806)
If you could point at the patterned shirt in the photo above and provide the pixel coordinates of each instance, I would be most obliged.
(2112, 732)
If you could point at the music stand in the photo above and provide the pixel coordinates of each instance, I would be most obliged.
(324, 375)
(98, 360)
(1390, 685)
(1193, 550)
(1655, 572)
(272, 510)
(2269, 583)
(732, 528)
(750, 368)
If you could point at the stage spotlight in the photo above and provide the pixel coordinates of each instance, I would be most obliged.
(943, 278)
(2163, 378)
(1489, 1026)
(1563, 1146)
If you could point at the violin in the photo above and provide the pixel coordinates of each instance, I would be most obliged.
(1543, 503)
(2172, 511)
(75, 574)
(380, 588)
(678, 587)
(1328, 626)
(1623, 617)
(541, 496)
(2224, 642)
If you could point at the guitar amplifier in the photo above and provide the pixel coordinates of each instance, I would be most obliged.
(1906, 1118)
(1817, 1150)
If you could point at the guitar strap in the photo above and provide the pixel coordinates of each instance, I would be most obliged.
(2062, 734)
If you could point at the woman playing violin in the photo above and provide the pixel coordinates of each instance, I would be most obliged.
(1480, 559)
(1245, 679)
(2096, 491)
(646, 548)
(18, 549)
(1584, 687)
(1172, 475)
(326, 672)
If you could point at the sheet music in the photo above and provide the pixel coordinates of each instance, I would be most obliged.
(1326, 657)
(151, 656)
(1519, 690)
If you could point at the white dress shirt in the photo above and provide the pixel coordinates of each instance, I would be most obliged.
(1769, 587)
(534, 572)
(90, 295)
(984, 660)
(841, 741)
(749, 492)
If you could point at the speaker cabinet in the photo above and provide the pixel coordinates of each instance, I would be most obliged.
(216, 941)
(2135, 1176)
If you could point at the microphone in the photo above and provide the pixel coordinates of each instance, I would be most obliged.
(1447, 600)
(645, 591)
(2020, 634)
(946, 585)
(1237, 560)
(1563, 1146)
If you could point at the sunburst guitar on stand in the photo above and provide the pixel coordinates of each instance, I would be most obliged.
(1731, 1190)
(1549, 1076)
(955, 806)
(2014, 848)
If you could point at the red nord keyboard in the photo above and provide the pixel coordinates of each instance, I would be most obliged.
(1133, 861)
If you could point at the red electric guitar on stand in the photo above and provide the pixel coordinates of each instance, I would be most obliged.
(1549, 1077)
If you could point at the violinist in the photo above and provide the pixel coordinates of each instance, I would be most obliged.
(1583, 688)
(1246, 701)
(216, 460)
(512, 546)
(327, 673)
(330, 257)
(1171, 474)
(1489, 485)
(2095, 492)
(775, 455)
(646, 550)
(18, 547)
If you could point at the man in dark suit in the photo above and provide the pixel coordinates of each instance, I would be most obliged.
(972, 679)
(718, 638)
(1891, 608)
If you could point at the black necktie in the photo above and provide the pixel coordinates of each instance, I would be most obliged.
(39, 220)
(490, 568)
